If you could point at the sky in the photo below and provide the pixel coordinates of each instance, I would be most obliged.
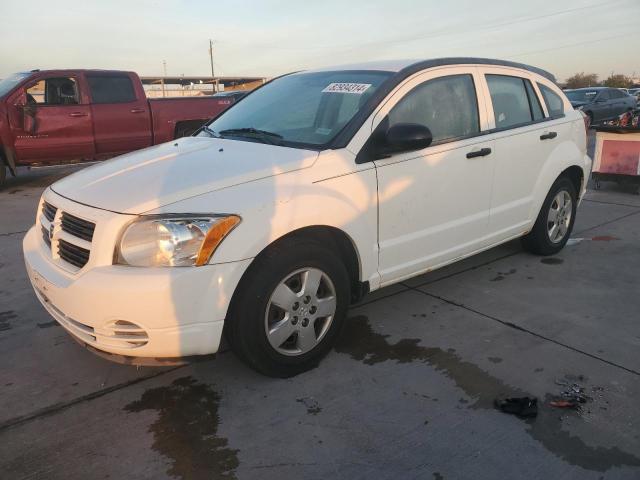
(270, 37)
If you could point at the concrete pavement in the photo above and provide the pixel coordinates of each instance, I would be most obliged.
(407, 393)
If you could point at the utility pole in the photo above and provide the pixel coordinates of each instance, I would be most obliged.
(213, 75)
(164, 69)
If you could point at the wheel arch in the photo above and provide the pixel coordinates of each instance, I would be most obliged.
(327, 235)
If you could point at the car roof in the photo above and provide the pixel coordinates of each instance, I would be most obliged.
(586, 88)
(407, 67)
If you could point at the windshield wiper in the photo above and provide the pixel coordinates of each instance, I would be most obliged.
(250, 132)
(210, 131)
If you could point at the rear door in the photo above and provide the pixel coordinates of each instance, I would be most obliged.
(525, 132)
(121, 117)
(433, 204)
(56, 123)
(602, 107)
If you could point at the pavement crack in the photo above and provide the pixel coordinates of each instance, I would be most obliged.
(58, 407)
(530, 332)
(12, 233)
(608, 222)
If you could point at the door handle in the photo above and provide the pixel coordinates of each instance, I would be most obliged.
(78, 114)
(483, 152)
(548, 136)
(138, 110)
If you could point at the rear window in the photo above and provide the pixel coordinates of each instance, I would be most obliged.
(510, 101)
(111, 89)
(555, 105)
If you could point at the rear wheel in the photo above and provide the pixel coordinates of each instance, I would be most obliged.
(290, 308)
(555, 220)
(3, 172)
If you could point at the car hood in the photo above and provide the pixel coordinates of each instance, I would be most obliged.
(157, 176)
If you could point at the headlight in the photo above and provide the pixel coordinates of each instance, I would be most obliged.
(173, 241)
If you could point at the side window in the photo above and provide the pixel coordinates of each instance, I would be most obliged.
(604, 95)
(448, 106)
(616, 94)
(534, 101)
(555, 105)
(53, 91)
(510, 100)
(111, 89)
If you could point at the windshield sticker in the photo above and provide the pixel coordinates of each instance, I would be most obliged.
(357, 88)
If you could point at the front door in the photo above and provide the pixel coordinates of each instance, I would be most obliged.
(55, 122)
(434, 204)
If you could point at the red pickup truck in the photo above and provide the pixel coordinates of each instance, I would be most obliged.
(57, 116)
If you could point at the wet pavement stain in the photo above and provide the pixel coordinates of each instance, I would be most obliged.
(313, 408)
(551, 261)
(604, 238)
(4, 319)
(186, 430)
(494, 359)
(363, 344)
(48, 324)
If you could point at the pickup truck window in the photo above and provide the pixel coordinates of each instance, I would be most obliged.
(9, 83)
(111, 89)
(53, 91)
(448, 106)
(307, 110)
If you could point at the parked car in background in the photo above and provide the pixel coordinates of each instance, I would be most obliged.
(601, 103)
(635, 92)
(232, 94)
(292, 204)
(63, 115)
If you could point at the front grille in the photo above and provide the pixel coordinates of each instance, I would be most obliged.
(77, 226)
(49, 211)
(45, 236)
(73, 254)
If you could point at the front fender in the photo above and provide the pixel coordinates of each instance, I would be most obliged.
(275, 206)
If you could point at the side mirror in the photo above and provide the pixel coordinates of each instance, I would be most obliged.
(406, 137)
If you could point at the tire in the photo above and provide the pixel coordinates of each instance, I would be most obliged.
(3, 172)
(257, 327)
(543, 239)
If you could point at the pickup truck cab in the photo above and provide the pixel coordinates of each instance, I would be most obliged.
(63, 115)
(315, 189)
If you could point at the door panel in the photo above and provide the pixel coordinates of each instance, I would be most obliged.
(433, 207)
(122, 121)
(433, 204)
(57, 125)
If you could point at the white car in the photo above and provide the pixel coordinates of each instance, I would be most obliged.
(305, 195)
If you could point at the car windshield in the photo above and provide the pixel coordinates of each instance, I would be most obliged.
(581, 95)
(304, 110)
(7, 84)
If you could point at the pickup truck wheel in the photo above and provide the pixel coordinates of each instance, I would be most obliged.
(555, 221)
(289, 309)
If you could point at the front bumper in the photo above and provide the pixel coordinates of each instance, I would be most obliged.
(180, 311)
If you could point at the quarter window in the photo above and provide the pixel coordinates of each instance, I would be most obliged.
(555, 105)
(111, 89)
(534, 101)
(510, 101)
(448, 106)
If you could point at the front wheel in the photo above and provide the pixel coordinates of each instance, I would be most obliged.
(289, 309)
(555, 220)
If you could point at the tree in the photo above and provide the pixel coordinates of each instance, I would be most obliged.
(618, 80)
(581, 80)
